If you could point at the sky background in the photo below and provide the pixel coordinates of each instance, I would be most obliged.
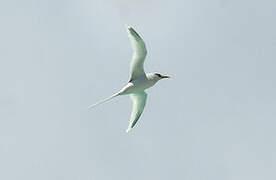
(215, 119)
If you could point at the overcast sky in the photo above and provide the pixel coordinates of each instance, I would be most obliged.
(215, 119)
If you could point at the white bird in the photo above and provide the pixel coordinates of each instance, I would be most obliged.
(139, 80)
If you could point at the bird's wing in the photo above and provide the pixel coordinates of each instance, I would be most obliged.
(139, 54)
(139, 101)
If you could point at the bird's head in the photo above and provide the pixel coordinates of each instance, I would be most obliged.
(159, 76)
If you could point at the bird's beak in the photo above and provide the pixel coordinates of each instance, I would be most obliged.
(165, 76)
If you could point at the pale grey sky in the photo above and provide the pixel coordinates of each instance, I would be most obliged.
(215, 119)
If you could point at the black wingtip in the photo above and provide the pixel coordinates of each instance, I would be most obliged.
(133, 32)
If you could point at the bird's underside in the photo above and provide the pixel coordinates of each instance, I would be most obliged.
(139, 81)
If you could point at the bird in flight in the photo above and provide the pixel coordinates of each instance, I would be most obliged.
(139, 80)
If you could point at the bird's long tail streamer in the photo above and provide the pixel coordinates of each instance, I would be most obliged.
(104, 100)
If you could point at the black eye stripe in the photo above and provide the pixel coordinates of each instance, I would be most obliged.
(159, 75)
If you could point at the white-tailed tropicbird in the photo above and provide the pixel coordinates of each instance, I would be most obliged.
(139, 80)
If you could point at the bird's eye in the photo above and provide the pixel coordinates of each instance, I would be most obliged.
(157, 74)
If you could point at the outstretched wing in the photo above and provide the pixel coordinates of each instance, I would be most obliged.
(139, 54)
(139, 101)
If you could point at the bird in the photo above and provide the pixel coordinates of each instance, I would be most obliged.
(139, 80)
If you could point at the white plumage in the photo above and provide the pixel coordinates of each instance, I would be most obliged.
(139, 80)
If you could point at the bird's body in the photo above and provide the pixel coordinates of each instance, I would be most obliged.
(139, 80)
(140, 84)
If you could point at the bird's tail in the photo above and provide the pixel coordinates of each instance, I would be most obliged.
(104, 100)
